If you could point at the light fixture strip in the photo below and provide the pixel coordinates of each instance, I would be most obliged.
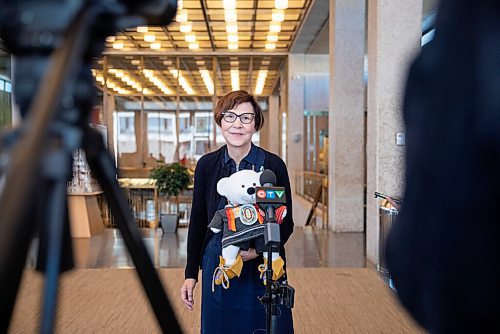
(207, 80)
(261, 81)
(235, 79)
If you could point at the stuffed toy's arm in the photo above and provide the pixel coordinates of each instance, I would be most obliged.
(280, 213)
(216, 223)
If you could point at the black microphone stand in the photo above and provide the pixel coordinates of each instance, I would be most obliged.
(276, 292)
(272, 241)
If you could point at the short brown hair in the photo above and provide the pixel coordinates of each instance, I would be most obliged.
(232, 100)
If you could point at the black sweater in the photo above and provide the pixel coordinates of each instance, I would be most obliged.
(209, 170)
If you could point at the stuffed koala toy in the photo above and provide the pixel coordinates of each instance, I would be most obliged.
(242, 225)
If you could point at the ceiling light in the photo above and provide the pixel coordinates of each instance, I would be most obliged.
(119, 74)
(232, 46)
(207, 80)
(278, 15)
(118, 45)
(194, 46)
(270, 46)
(235, 79)
(180, 4)
(167, 62)
(135, 62)
(272, 38)
(261, 81)
(142, 29)
(200, 62)
(148, 73)
(229, 4)
(274, 27)
(231, 28)
(155, 46)
(182, 16)
(281, 4)
(232, 38)
(266, 62)
(190, 38)
(234, 63)
(186, 27)
(149, 38)
(110, 39)
(230, 15)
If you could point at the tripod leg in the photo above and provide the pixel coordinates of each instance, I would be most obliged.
(14, 239)
(55, 169)
(101, 164)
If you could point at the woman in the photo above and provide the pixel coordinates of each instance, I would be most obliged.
(236, 309)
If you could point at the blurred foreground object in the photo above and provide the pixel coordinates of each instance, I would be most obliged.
(443, 253)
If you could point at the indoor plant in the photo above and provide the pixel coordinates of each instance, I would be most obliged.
(171, 180)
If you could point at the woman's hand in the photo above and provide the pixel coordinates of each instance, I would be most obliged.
(187, 292)
(249, 254)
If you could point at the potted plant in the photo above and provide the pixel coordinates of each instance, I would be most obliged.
(171, 180)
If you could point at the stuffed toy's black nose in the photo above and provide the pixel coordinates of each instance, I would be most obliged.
(251, 191)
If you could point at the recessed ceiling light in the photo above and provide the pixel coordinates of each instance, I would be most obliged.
(278, 15)
(155, 46)
(118, 45)
(193, 46)
(149, 38)
(281, 4)
(182, 16)
(274, 27)
(231, 28)
(190, 38)
(229, 4)
(142, 29)
(232, 38)
(272, 38)
(186, 27)
(270, 46)
(230, 15)
(232, 46)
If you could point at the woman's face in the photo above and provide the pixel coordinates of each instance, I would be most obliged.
(237, 133)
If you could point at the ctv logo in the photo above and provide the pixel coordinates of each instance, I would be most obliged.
(271, 194)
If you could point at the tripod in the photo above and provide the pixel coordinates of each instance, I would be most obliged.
(268, 197)
(54, 127)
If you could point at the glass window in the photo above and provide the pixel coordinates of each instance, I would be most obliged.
(126, 132)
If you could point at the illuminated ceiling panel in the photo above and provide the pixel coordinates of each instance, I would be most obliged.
(207, 22)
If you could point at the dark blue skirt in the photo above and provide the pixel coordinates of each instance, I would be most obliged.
(237, 309)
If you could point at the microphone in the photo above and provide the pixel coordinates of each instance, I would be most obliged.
(268, 193)
(267, 178)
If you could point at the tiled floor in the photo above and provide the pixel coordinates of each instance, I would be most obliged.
(306, 248)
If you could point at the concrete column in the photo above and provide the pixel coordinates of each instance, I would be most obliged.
(273, 124)
(264, 132)
(346, 164)
(394, 31)
(295, 115)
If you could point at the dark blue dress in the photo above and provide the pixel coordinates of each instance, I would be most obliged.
(237, 309)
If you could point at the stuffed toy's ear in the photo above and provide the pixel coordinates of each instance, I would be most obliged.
(221, 186)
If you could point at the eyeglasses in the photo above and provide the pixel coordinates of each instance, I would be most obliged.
(231, 117)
